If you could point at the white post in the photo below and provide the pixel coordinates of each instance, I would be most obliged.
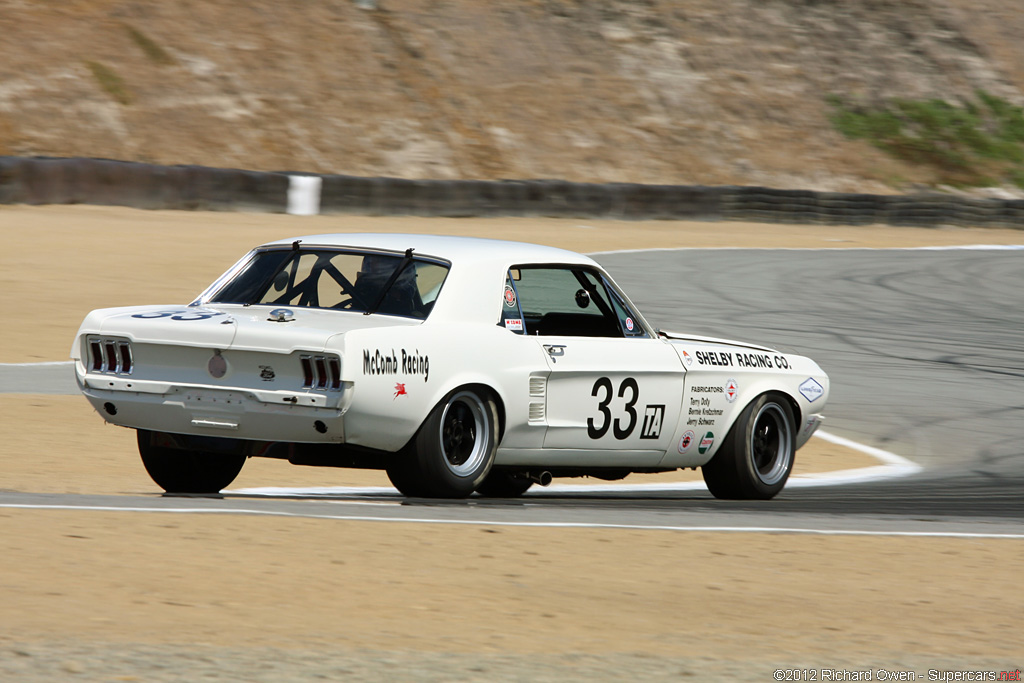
(304, 194)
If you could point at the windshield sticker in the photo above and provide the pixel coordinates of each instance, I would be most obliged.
(412, 363)
(514, 324)
(629, 324)
(510, 296)
(811, 390)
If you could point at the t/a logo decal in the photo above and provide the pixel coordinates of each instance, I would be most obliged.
(654, 416)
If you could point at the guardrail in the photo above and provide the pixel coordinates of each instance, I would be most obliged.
(42, 180)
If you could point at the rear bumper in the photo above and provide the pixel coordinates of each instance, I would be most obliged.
(204, 411)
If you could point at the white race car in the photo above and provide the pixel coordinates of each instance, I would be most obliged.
(458, 365)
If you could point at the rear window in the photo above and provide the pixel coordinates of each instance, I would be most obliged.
(349, 280)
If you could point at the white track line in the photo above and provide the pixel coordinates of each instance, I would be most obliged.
(543, 525)
(964, 247)
(893, 466)
(68, 363)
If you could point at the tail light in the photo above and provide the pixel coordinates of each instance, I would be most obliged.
(110, 356)
(321, 372)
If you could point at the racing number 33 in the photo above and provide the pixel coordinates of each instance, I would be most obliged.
(604, 385)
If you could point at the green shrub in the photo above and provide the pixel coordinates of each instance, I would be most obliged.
(151, 49)
(968, 144)
(111, 83)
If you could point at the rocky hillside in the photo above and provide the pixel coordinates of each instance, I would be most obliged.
(655, 91)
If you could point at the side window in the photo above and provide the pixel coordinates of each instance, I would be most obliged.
(631, 326)
(564, 301)
(429, 278)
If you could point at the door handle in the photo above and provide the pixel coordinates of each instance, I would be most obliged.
(555, 350)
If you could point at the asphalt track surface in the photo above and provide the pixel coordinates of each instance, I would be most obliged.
(924, 347)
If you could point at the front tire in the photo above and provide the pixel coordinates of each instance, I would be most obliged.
(757, 456)
(188, 471)
(453, 451)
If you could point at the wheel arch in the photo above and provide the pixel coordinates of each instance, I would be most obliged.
(487, 390)
(751, 394)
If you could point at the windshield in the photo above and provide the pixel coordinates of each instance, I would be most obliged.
(360, 281)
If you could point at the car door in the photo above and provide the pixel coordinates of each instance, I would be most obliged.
(613, 385)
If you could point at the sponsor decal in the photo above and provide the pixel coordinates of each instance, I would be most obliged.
(267, 373)
(687, 358)
(753, 360)
(700, 413)
(719, 358)
(688, 438)
(629, 324)
(514, 324)
(731, 390)
(182, 315)
(400, 390)
(811, 390)
(706, 443)
(510, 296)
(654, 416)
(384, 363)
(728, 359)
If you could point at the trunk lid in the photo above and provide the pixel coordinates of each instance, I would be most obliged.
(244, 328)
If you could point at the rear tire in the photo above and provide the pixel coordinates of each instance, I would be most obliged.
(757, 456)
(188, 471)
(452, 452)
(504, 484)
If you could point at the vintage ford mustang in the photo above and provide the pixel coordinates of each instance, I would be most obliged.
(458, 365)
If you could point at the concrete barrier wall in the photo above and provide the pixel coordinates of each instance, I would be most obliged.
(148, 186)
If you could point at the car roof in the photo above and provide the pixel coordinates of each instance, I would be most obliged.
(457, 250)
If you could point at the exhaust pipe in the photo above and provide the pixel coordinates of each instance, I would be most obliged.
(542, 478)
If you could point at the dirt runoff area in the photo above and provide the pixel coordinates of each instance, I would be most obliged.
(123, 596)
